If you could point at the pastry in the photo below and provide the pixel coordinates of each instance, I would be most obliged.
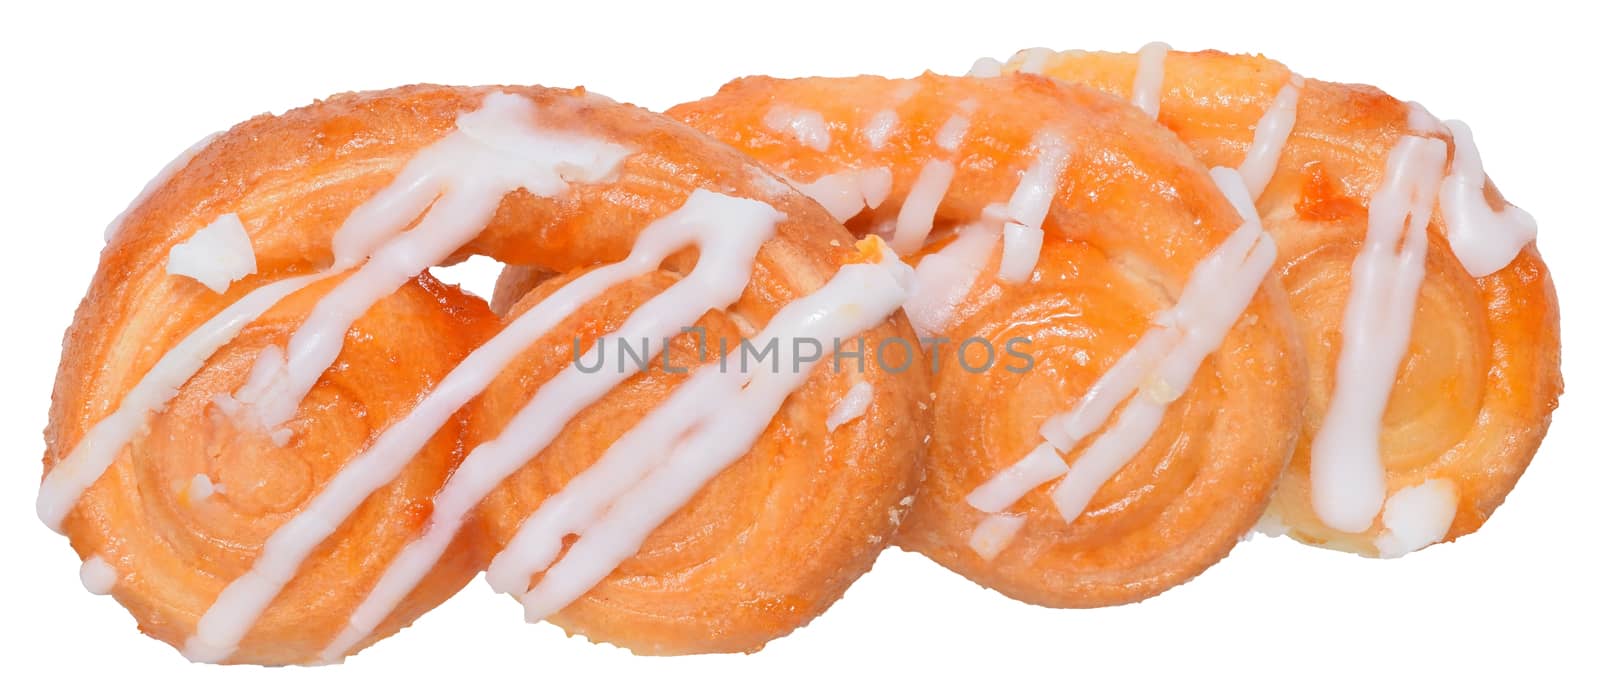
(1071, 326)
(272, 429)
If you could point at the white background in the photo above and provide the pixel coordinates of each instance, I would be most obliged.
(96, 100)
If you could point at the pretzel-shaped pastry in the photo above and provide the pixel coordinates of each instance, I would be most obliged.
(693, 413)
(1429, 320)
(272, 429)
(1056, 215)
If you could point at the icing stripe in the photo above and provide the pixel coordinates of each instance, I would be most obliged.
(1422, 122)
(952, 132)
(1417, 516)
(1148, 79)
(161, 178)
(216, 256)
(883, 123)
(1120, 381)
(852, 405)
(1029, 205)
(1271, 134)
(994, 533)
(877, 131)
(921, 204)
(1484, 240)
(804, 125)
(985, 67)
(945, 277)
(97, 576)
(1347, 473)
(845, 194)
(1032, 60)
(1012, 483)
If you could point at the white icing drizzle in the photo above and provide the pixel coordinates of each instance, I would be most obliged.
(921, 204)
(161, 178)
(769, 184)
(69, 478)
(1422, 122)
(1125, 376)
(215, 256)
(97, 576)
(994, 533)
(945, 277)
(1271, 133)
(1272, 525)
(1347, 474)
(858, 297)
(879, 127)
(1032, 60)
(1029, 204)
(1147, 81)
(1155, 371)
(805, 125)
(851, 406)
(455, 185)
(845, 194)
(1416, 516)
(985, 67)
(1484, 240)
(1040, 465)
(954, 130)
(884, 122)
(727, 232)
(199, 489)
